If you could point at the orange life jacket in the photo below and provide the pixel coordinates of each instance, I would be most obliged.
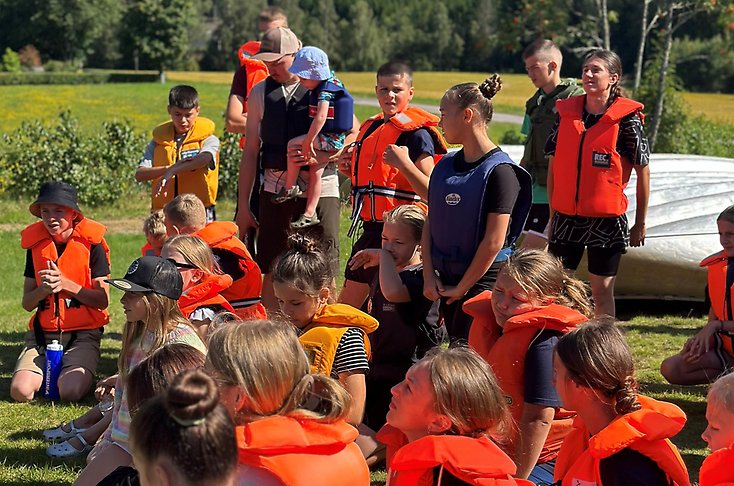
(376, 186)
(205, 294)
(62, 312)
(589, 175)
(505, 352)
(148, 250)
(202, 182)
(244, 293)
(301, 451)
(646, 431)
(320, 339)
(255, 71)
(717, 469)
(716, 266)
(477, 461)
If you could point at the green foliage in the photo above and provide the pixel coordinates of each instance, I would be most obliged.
(95, 77)
(100, 166)
(10, 61)
(221, 51)
(705, 64)
(230, 154)
(513, 137)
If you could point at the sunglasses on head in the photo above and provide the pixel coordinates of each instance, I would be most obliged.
(182, 265)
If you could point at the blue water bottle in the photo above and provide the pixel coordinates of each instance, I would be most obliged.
(52, 370)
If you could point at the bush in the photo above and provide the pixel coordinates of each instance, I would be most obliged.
(10, 61)
(91, 77)
(230, 154)
(100, 166)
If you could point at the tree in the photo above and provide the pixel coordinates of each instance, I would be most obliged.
(238, 24)
(158, 32)
(645, 28)
(363, 43)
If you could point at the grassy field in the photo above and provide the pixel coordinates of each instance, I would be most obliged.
(654, 331)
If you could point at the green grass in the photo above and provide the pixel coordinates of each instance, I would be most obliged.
(654, 331)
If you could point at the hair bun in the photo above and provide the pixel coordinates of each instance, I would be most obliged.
(626, 397)
(191, 397)
(302, 243)
(491, 86)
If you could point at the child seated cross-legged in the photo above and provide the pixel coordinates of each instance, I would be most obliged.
(515, 328)
(717, 469)
(443, 423)
(67, 262)
(152, 286)
(711, 351)
(331, 109)
(619, 436)
(291, 425)
(200, 300)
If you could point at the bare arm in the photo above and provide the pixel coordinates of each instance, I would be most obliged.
(417, 173)
(344, 159)
(489, 247)
(534, 426)
(33, 294)
(355, 384)
(432, 286)
(248, 170)
(637, 233)
(235, 119)
(549, 187)
(391, 285)
(149, 173)
(97, 296)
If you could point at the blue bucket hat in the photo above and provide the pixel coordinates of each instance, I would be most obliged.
(311, 63)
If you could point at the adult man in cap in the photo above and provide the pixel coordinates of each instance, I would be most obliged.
(278, 112)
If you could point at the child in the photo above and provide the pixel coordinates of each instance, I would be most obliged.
(155, 234)
(389, 165)
(709, 353)
(442, 422)
(183, 156)
(408, 321)
(543, 64)
(331, 110)
(200, 300)
(719, 435)
(515, 328)
(463, 255)
(152, 286)
(619, 437)
(186, 215)
(291, 426)
(185, 436)
(67, 262)
(334, 335)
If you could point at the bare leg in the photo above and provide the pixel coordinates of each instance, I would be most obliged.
(678, 371)
(373, 451)
(314, 190)
(293, 169)
(93, 433)
(24, 385)
(103, 463)
(602, 290)
(74, 383)
(354, 293)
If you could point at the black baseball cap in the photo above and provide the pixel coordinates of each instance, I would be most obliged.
(151, 274)
(55, 192)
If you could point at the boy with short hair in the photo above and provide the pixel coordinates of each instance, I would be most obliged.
(183, 156)
(185, 215)
(67, 262)
(390, 165)
(155, 234)
(543, 64)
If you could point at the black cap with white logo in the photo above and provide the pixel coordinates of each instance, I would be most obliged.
(151, 274)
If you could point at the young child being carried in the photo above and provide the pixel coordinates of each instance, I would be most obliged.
(67, 262)
(331, 109)
(710, 352)
(717, 469)
(183, 156)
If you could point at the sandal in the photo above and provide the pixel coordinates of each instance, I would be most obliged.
(65, 449)
(286, 194)
(305, 221)
(59, 434)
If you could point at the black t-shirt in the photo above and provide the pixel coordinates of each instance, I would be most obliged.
(97, 262)
(539, 389)
(502, 185)
(229, 263)
(418, 141)
(630, 468)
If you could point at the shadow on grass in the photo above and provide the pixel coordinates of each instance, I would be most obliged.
(665, 329)
(627, 309)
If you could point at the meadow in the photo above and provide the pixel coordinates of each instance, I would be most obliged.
(655, 330)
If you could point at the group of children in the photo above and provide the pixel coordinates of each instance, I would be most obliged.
(324, 389)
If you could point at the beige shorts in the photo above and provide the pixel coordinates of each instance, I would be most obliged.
(84, 351)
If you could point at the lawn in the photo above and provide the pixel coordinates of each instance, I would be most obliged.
(654, 331)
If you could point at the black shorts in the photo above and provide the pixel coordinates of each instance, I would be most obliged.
(275, 219)
(537, 218)
(603, 262)
(371, 237)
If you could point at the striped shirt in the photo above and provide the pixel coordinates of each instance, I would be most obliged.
(351, 355)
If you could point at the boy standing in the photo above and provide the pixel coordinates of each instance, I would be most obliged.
(67, 262)
(543, 64)
(389, 166)
(183, 156)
